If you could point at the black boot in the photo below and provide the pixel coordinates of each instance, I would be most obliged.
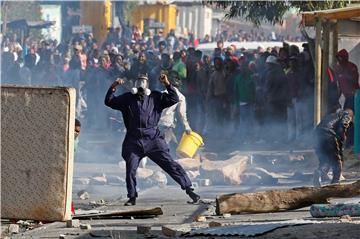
(192, 195)
(130, 202)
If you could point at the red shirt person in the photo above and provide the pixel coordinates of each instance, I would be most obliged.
(347, 76)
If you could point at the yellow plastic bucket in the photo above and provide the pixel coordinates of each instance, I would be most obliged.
(189, 144)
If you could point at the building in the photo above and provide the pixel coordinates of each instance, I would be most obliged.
(193, 17)
(154, 16)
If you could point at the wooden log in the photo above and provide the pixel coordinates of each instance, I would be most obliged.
(277, 200)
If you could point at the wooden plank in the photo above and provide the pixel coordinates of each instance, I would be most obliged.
(309, 18)
(340, 14)
(318, 55)
(325, 65)
(139, 212)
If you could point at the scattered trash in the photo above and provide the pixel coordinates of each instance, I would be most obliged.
(14, 228)
(117, 180)
(175, 231)
(83, 195)
(250, 179)
(207, 201)
(75, 223)
(143, 229)
(101, 202)
(195, 185)
(193, 174)
(226, 215)
(204, 182)
(200, 219)
(81, 181)
(158, 178)
(143, 173)
(98, 180)
(214, 224)
(345, 218)
(189, 164)
(85, 226)
(267, 178)
(72, 234)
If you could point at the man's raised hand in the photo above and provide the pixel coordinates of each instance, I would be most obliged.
(164, 80)
(118, 81)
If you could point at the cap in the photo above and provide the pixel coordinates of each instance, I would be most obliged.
(271, 59)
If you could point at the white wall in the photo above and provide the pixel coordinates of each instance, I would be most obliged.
(196, 19)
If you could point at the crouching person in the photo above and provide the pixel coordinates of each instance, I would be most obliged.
(330, 135)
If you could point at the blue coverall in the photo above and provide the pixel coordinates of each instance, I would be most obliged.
(141, 115)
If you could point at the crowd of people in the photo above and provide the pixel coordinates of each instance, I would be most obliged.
(243, 92)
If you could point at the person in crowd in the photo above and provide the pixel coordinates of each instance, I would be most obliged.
(161, 49)
(231, 73)
(230, 54)
(140, 67)
(330, 134)
(304, 105)
(141, 110)
(347, 76)
(117, 69)
(183, 55)
(179, 67)
(244, 89)
(190, 89)
(206, 39)
(77, 134)
(276, 93)
(292, 75)
(164, 67)
(216, 95)
(203, 71)
(80, 62)
(96, 85)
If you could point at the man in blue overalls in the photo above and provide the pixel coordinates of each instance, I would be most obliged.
(141, 110)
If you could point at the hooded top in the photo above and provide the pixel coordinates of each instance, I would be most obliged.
(335, 124)
(343, 54)
(347, 75)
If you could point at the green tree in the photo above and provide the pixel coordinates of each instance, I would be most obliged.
(272, 11)
(128, 9)
(28, 10)
(16, 10)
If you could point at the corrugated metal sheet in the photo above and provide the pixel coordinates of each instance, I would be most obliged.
(246, 229)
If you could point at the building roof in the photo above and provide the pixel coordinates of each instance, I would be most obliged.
(347, 13)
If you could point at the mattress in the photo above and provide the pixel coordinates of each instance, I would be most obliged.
(37, 151)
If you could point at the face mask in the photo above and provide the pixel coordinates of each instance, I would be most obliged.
(141, 88)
